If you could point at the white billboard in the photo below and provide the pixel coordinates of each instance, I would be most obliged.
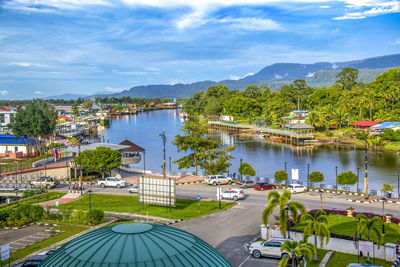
(226, 118)
(295, 174)
(157, 191)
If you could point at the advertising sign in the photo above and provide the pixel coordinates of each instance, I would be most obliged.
(157, 191)
(5, 252)
(295, 174)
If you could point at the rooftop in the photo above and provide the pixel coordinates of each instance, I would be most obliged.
(76, 149)
(365, 123)
(10, 139)
(131, 147)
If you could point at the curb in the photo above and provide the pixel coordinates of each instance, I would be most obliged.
(334, 191)
(197, 182)
(326, 258)
(174, 222)
(363, 201)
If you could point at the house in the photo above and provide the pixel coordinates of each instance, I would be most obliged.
(213, 117)
(297, 116)
(364, 124)
(394, 125)
(16, 147)
(7, 115)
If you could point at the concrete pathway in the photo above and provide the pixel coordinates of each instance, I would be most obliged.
(326, 258)
(65, 199)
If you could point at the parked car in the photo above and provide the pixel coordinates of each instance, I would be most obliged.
(134, 189)
(34, 261)
(269, 248)
(45, 181)
(246, 184)
(214, 179)
(264, 186)
(111, 182)
(234, 194)
(297, 188)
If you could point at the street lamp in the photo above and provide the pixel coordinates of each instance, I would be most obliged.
(164, 139)
(287, 214)
(308, 174)
(285, 165)
(398, 178)
(241, 175)
(170, 165)
(336, 176)
(320, 196)
(219, 194)
(366, 166)
(90, 199)
(383, 215)
(80, 170)
(358, 178)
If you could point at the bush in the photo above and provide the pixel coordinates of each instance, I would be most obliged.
(31, 193)
(362, 135)
(19, 215)
(281, 176)
(94, 216)
(246, 169)
(65, 212)
(347, 178)
(316, 177)
(329, 134)
(391, 135)
(79, 216)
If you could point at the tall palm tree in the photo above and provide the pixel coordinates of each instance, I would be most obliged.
(313, 118)
(295, 250)
(367, 226)
(275, 200)
(317, 226)
(340, 116)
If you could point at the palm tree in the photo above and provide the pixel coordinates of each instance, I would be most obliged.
(313, 118)
(296, 250)
(275, 200)
(340, 116)
(317, 226)
(367, 226)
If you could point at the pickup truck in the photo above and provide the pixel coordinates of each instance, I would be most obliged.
(47, 182)
(214, 179)
(111, 182)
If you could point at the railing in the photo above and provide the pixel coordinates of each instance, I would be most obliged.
(264, 129)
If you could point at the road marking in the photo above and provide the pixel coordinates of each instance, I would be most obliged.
(240, 265)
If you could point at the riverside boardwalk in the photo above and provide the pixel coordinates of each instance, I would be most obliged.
(297, 137)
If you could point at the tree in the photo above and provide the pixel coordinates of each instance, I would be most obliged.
(246, 169)
(347, 78)
(316, 177)
(37, 123)
(366, 227)
(275, 200)
(87, 105)
(197, 142)
(218, 161)
(102, 159)
(297, 249)
(281, 176)
(75, 110)
(387, 188)
(347, 178)
(316, 225)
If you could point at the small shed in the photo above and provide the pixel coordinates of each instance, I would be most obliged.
(213, 117)
(16, 147)
(301, 127)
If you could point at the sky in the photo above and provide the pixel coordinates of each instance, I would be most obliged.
(53, 47)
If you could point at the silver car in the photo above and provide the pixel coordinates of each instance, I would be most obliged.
(269, 248)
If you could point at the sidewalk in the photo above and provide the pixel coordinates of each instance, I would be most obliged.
(61, 242)
(65, 199)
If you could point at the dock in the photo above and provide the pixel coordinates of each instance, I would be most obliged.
(295, 138)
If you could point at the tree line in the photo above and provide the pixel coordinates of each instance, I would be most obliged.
(344, 102)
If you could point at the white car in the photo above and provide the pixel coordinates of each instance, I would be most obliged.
(134, 189)
(234, 194)
(214, 179)
(297, 188)
(269, 248)
(112, 182)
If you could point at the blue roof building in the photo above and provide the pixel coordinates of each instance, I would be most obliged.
(386, 125)
(15, 147)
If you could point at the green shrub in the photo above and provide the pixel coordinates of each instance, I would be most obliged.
(316, 177)
(281, 176)
(65, 212)
(329, 134)
(79, 216)
(94, 216)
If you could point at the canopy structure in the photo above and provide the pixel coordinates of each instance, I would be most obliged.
(131, 147)
(364, 124)
(302, 126)
(136, 244)
(77, 149)
(386, 125)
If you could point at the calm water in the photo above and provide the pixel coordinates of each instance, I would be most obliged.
(266, 158)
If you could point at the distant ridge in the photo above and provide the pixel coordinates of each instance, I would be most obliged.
(66, 96)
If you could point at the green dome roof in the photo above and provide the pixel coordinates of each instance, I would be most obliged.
(136, 244)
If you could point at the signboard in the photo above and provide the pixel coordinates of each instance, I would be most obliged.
(219, 192)
(230, 190)
(226, 118)
(157, 191)
(198, 197)
(5, 252)
(366, 246)
(295, 174)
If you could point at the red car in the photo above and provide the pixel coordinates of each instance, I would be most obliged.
(263, 186)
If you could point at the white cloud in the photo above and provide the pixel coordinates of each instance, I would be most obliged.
(277, 76)
(373, 8)
(334, 66)
(27, 64)
(38, 93)
(3, 92)
(324, 6)
(235, 77)
(176, 81)
(252, 24)
(397, 42)
(112, 90)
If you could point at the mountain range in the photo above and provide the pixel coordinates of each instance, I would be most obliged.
(320, 74)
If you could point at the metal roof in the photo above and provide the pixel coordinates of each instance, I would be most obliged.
(365, 123)
(301, 126)
(136, 244)
(131, 147)
(93, 146)
(9, 139)
(386, 125)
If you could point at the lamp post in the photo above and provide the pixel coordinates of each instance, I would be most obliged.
(336, 176)
(219, 194)
(80, 170)
(308, 174)
(366, 167)
(170, 165)
(90, 199)
(398, 178)
(164, 139)
(383, 215)
(20, 170)
(320, 196)
(287, 214)
(285, 165)
(358, 178)
(241, 175)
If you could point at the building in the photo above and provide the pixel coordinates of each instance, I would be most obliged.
(136, 244)
(7, 115)
(297, 116)
(394, 125)
(13, 147)
(364, 124)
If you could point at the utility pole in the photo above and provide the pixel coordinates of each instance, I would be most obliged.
(164, 139)
(308, 174)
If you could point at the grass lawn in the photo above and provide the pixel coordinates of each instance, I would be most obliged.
(69, 230)
(320, 255)
(342, 259)
(393, 146)
(185, 208)
(42, 198)
(347, 226)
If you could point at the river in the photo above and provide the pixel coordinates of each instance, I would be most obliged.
(265, 157)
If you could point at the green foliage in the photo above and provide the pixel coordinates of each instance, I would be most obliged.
(31, 193)
(316, 177)
(18, 215)
(347, 178)
(79, 216)
(66, 212)
(316, 225)
(275, 200)
(94, 216)
(347, 78)
(387, 188)
(362, 135)
(102, 159)
(217, 161)
(369, 227)
(281, 176)
(246, 169)
(297, 249)
(391, 135)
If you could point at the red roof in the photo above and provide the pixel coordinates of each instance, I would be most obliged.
(64, 117)
(365, 123)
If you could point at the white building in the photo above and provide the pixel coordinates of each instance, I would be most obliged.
(6, 116)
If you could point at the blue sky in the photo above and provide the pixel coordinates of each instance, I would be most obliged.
(52, 47)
